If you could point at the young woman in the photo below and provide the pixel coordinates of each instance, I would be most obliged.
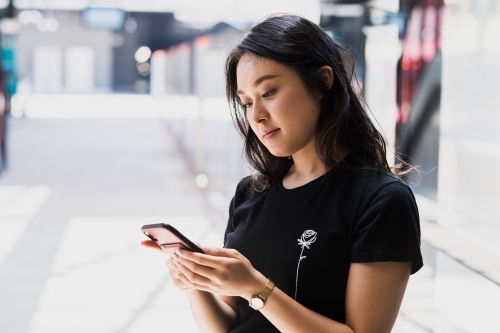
(324, 236)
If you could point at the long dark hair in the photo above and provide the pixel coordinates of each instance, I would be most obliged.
(343, 121)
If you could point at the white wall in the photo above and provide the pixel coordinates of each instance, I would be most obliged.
(70, 34)
(79, 69)
(469, 172)
(47, 69)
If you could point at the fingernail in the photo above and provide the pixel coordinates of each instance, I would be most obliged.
(178, 252)
(174, 255)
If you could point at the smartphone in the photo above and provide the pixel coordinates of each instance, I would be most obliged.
(169, 238)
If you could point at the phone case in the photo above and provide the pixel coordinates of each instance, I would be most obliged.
(169, 238)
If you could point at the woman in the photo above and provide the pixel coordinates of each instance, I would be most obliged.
(324, 236)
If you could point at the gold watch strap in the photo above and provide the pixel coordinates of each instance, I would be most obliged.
(267, 290)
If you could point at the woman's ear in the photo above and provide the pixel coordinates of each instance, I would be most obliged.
(326, 73)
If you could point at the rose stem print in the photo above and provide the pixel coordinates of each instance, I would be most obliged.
(308, 237)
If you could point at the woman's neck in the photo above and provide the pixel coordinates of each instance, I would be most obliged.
(307, 166)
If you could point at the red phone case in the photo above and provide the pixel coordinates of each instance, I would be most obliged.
(169, 238)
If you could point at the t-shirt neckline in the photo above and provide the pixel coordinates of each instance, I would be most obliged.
(310, 185)
(306, 187)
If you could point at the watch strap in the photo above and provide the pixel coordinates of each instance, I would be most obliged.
(267, 290)
(258, 301)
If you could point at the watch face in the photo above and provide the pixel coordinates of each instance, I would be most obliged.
(256, 303)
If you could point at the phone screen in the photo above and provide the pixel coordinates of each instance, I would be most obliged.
(169, 238)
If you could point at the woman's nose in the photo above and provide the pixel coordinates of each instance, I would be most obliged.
(259, 113)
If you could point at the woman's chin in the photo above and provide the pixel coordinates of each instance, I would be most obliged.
(277, 153)
(278, 150)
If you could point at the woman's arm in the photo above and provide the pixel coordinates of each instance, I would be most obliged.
(374, 295)
(374, 292)
(211, 313)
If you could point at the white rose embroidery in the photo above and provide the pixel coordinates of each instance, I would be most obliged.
(308, 237)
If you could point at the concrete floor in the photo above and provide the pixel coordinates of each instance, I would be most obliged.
(72, 202)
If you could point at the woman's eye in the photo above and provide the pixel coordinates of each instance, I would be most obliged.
(246, 105)
(269, 93)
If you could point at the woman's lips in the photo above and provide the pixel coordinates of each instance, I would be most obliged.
(269, 135)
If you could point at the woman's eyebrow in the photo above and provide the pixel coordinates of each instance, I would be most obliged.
(260, 80)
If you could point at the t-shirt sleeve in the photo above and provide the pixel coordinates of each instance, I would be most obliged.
(238, 198)
(229, 227)
(388, 229)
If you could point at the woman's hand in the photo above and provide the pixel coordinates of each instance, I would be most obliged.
(173, 270)
(220, 271)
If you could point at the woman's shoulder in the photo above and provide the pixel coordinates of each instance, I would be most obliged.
(246, 196)
(243, 190)
(378, 190)
(243, 184)
(368, 181)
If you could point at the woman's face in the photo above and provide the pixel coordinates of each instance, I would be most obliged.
(279, 108)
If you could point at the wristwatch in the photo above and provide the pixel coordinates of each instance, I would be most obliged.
(257, 302)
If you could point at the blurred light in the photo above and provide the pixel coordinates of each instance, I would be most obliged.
(142, 54)
(233, 12)
(348, 10)
(194, 12)
(103, 18)
(49, 25)
(93, 106)
(17, 113)
(203, 41)
(9, 26)
(30, 16)
(131, 25)
(378, 16)
(17, 106)
(202, 180)
(144, 68)
(2, 103)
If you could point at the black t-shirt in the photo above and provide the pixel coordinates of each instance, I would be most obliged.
(304, 239)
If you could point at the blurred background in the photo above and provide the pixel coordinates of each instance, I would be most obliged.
(113, 115)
